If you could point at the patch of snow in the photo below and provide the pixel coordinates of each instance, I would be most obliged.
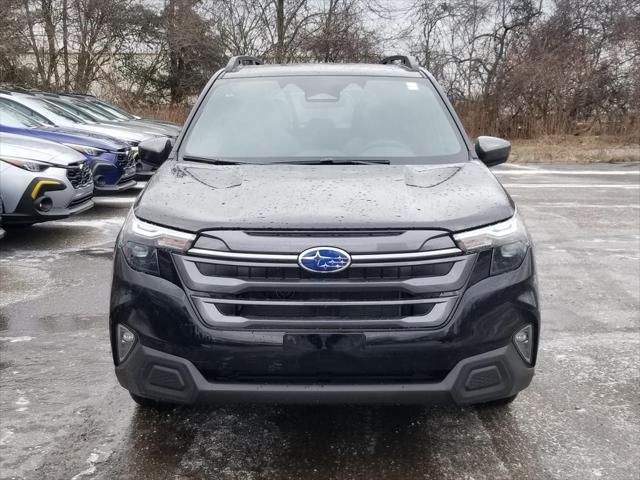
(15, 340)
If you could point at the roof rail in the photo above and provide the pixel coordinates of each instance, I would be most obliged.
(239, 60)
(406, 61)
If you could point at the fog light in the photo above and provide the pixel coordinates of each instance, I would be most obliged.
(126, 339)
(523, 340)
(44, 204)
(99, 180)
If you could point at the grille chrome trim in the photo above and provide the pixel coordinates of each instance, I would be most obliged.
(356, 258)
(212, 316)
(231, 297)
(382, 257)
(328, 302)
(267, 257)
(249, 263)
(197, 281)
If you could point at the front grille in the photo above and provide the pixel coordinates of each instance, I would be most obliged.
(354, 273)
(79, 175)
(286, 310)
(324, 295)
(378, 290)
(125, 159)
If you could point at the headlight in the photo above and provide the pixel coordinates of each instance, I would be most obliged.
(31, 165)
(509, 241)
(141, 243)
(91, 151)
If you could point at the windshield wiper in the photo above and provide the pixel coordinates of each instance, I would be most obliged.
(336, 161)
(320, 161)
(212, 161)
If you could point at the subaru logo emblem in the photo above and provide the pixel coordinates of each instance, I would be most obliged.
(324, 260)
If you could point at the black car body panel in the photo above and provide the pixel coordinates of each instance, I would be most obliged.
(451, 197)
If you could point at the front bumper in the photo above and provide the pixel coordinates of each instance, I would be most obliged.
(488, 376)
(121, 186)
(144, 171)
(66, 201)
(112, 178)
(180, 358)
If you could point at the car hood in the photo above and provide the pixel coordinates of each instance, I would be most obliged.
(123, 134)
(31, 148)
(145, 127)
(55, 135)
(161, 128)
(195, 196)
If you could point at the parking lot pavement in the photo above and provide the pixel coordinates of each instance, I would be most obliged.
(63, 415)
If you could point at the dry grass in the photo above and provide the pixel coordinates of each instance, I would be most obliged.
(575, 149)
(176, 114)
(586, 148)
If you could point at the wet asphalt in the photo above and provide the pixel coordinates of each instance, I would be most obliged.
(64, 416)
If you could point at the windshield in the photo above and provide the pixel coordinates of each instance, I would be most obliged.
(324, 118)
(69, 118)
(14, 119)
(115, 110)
(26, 111)
(71, 109)
(98, 113)
(53, 113)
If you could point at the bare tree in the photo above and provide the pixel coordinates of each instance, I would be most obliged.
(339, 34)
(513, 67)
(12, 45)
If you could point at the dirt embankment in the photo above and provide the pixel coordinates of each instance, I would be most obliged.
(573, 149)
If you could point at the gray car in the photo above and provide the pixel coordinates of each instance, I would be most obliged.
(41, 181)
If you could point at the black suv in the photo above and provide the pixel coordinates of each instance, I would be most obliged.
(324, 233)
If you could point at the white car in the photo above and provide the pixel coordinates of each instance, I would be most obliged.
(41, 181)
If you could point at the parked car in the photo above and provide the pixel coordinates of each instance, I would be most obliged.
(68, 122)
(80, 109)
(41, 180)
(117, 111)
(324, 233)
(169, 129)
(112, 162)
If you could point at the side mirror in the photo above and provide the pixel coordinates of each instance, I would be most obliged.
(492, 150)
(155, 151)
